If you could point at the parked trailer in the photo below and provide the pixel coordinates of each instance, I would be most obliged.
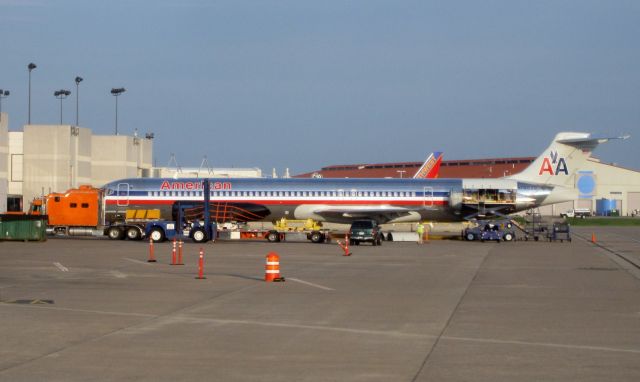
(560, 231)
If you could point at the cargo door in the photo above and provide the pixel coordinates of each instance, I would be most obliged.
(427, 200)
(123, 194)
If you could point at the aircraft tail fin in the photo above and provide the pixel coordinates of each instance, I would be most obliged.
(430, 167)
(560, 162)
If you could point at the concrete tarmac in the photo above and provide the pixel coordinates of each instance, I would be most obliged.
(78, 310)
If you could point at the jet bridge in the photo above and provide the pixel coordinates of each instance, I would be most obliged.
(483, 198)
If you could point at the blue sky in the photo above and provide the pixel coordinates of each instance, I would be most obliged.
(303, 84)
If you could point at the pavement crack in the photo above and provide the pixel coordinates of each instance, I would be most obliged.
(453, 313)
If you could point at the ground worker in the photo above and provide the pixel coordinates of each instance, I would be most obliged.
(420, 231)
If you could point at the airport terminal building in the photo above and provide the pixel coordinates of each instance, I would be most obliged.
(54, 158)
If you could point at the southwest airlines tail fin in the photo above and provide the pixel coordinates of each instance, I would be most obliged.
(430, 167)
(559, 163)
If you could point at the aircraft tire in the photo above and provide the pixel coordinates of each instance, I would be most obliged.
(470, 236)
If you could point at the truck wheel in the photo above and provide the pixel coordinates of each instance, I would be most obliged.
(133, 233)
(199, 235)
(508, 236)
(273, 237)
(317, 237)
(157, 235)
(470, 236)
(115, 233)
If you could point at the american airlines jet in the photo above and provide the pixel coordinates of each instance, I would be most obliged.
(551, 178)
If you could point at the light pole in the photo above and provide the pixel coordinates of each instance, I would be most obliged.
(31, 66)
(61, 94)
(116, 92)
(3, 94)
(78, 80)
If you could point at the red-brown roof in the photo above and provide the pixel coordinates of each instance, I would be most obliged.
(467, 168)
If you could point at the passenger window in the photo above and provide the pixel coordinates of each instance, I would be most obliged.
(73, 205)
(57, 199)
(85, 205)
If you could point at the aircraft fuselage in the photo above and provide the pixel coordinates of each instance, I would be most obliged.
(332, 200)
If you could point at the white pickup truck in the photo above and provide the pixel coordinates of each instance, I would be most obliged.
(577, 213)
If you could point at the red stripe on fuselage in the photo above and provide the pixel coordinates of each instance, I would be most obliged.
(288, 202)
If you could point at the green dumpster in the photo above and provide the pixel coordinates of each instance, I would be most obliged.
(23, 227)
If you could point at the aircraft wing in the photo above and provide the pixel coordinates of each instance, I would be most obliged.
(381, 214)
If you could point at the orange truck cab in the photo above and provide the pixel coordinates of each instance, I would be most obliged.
(78, 207)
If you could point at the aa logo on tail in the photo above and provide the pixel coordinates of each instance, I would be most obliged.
(554, 165)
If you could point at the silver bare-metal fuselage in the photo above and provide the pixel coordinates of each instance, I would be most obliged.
(334, 200)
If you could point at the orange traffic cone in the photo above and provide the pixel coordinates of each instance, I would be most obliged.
(201, 266)
(272, 268)
(345, 246)
(593, 238)
(152, 258)
(179, 253)
(173, 253)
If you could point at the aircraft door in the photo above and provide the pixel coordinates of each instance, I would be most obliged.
(123, 194)
(427, 200)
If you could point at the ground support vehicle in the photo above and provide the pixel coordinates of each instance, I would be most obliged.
(199, 231)
(365, 231)
(491, 234)
(276, 236)
(284, 227)
(162, 230)
(577, 213)
(283, 230)
(490, 230)
(560, 231)
(534, 227)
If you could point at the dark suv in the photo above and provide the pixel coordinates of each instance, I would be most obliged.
(365, 230)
